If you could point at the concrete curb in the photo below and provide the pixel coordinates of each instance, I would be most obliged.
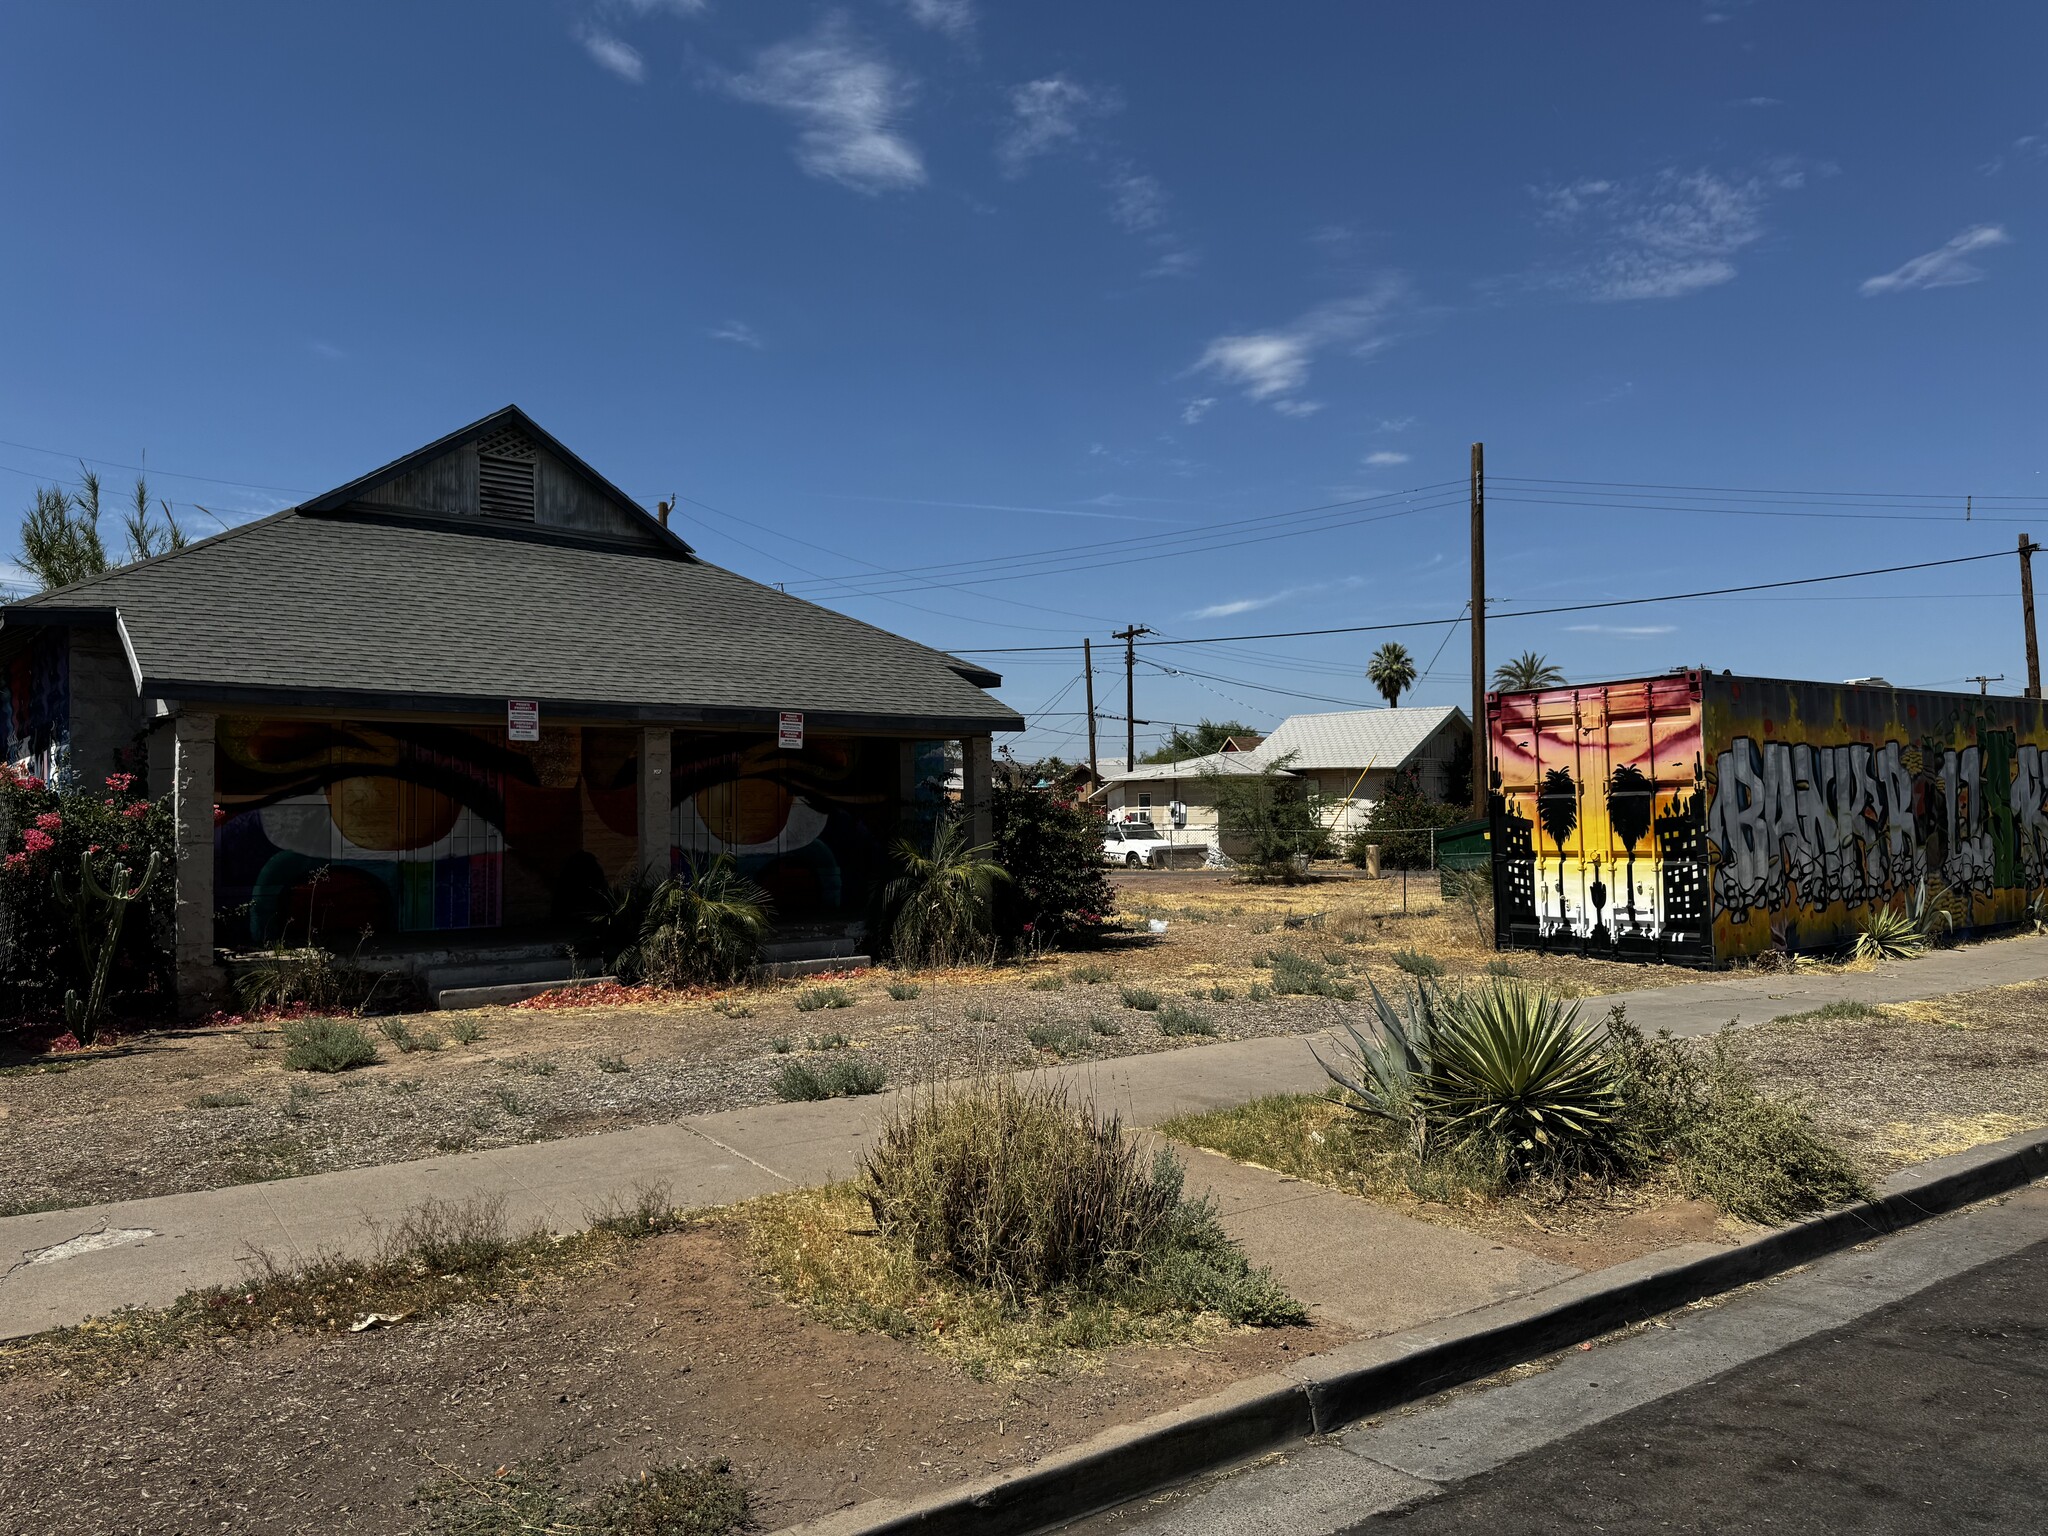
(510, 992)
(1268, 1412)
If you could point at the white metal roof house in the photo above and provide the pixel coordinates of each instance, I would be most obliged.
(1348, 756)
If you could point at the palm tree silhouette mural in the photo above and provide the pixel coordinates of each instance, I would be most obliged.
(1630, 795)
(1392, 671)
(1557, 808)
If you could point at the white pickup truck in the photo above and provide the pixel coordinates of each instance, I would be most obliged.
(1140, 845)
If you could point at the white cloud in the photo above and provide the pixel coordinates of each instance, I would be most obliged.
(1237, 605)
(1662, 236)
(326, 349)
(1621, 629)
(1946, 267)
(955, 18)
(1174, 261)
(620, 58)
(1195, 410)
(678, 7)
(1046, 115)
(847, 97)
(739, 333)
(1136, 201)
(1396, 424)
(1273, 366)
(1385, 459)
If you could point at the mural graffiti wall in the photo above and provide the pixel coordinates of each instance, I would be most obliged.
(35, 703)
(812, 827)
(328, 828)
(1824, 801)
(1712, 817)
(1597, 818)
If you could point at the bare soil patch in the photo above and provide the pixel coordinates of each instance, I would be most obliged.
(675, 1354)
(1911, 1081)
(175, 1109)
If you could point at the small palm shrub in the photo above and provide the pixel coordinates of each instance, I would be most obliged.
(1016, 1188)
(704, 927)
(327, 1045)
(941, 905)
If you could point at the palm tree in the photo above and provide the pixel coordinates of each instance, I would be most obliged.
(1526, 673)
(1557, 807)
(1392, 671)
(705, 926)
(1629, 798)
(943, 900)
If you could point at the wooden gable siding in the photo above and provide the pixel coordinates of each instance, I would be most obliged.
(562, 498)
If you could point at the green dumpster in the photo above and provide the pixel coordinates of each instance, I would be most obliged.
(1464, 846)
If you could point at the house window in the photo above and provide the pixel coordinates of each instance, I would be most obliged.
(1145, 805)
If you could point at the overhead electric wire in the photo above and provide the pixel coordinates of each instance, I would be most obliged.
(1899, 498)
(1832, 513)
(1523, 613)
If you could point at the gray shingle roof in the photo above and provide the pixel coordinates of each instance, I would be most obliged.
(348, 610)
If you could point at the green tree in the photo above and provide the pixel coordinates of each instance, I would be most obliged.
(1272, 814)
(942, 904)
(60, 534)
(1205, 738)
(1400, 822)
(1526, 673)
(1058, 892)
(1392, 671)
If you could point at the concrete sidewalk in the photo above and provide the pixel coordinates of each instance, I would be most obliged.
(73, 1264)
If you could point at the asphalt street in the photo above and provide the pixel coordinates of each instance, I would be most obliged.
(1927, 1415)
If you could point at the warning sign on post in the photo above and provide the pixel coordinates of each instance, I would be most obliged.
(522, 719)
(789, 734)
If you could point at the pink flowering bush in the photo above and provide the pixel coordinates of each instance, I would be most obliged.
(48, 831)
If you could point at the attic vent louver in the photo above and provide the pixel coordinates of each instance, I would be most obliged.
(505, 466)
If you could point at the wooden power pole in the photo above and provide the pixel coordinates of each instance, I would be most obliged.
(2027, 548)
(1481, 756)
(1088, 668)
(1130, 640)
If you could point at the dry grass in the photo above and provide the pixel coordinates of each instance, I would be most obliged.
(1909, 1081)
(820, 1249)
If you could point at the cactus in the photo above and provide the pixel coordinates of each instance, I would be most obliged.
(99, 910)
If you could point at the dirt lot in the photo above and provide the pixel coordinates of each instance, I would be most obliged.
(1910, 1081)
(176, 1110)
(675, 1355)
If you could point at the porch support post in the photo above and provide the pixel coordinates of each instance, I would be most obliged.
(201, 982)
(657, 749)
(977, 794)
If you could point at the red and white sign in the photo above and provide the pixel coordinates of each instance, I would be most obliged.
(522, 719)
(789, 733)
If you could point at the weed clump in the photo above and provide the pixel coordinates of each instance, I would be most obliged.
(1297, 975)
(327, 1045)
(1416, 963)
(1092, 975)
(848, 1077)
(904, 991)
(1062, 1040)
(681, 1500)
(1018, 1191)
(823, 997)
(1144, 999)
(1174, 1019)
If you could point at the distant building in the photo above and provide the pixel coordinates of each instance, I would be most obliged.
(1346, 758)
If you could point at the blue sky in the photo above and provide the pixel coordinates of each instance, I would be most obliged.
(894, 285)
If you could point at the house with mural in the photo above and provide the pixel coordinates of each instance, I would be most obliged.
(445, 703)
(1345, 759)
(1703, 817)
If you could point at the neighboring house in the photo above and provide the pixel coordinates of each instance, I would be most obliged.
(1347, 759)
(452, 698)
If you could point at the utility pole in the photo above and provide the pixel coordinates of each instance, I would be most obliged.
(2027, 548)
(1984, 683)
(1088, 667)
(1481, 767)
(1130, 640)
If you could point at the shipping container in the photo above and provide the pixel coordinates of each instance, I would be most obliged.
(1699, 817)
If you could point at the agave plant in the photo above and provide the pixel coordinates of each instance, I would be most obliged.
(1381, 1074)
(705, 926)
(1932, 910)
(1514, 1066)
(1887, 933)
(942, 902)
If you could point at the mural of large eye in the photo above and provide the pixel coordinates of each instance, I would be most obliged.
(389, 814)
(745, 810)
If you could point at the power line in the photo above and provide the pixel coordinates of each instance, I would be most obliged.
(1524, 613)
(1882, 497)
(1856, 515)
(140, 469)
